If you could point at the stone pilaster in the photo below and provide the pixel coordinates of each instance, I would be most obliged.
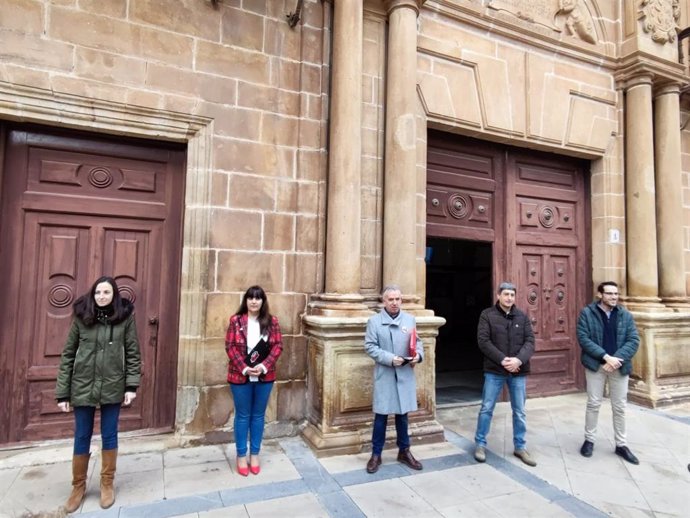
(642, 274)
(400, 185)
(340, 374)
(669, 203)
(343, 239)
(661, 367)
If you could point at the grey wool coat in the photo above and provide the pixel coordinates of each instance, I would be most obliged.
(395, 388)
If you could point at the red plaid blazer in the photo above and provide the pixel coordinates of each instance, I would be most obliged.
(236, 347)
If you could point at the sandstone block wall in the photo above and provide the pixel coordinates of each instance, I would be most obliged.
(263, 86)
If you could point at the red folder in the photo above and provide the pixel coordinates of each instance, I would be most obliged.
(413, 343)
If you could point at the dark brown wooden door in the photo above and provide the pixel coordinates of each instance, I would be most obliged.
(547, 236)
(531, 206)
(74, 208)
(547, 283)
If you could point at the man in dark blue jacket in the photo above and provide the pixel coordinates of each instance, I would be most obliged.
(608, 337)
(506, 339)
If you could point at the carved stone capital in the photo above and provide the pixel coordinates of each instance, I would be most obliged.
(391, 5)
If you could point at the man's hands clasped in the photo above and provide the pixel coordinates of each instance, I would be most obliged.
(511, 364)
(399, 360)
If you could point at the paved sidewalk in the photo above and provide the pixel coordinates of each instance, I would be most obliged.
(156, 479)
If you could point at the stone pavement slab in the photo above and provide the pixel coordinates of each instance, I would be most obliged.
(155, 479)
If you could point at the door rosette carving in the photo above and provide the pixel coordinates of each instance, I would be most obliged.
(459, 206)
(660, 18)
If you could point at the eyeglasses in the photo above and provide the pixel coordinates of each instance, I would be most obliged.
(611, 293)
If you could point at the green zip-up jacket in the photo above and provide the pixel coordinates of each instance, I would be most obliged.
(590, 336)
(95, 370)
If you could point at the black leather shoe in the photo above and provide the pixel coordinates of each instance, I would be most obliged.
(405, 456)
(587, 449)
(624, 451)
(373, 464)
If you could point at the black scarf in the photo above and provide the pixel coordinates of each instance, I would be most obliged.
(104, 313)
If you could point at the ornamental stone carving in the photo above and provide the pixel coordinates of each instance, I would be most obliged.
(578, 20)
(660, 19)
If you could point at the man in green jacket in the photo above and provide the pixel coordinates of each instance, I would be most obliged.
(608, 337)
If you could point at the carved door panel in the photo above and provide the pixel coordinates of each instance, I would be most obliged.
(547, 252)
(463, 199)
(75, 209)
(548, 295)
(531, 207)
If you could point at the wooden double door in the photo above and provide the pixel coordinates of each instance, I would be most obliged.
(75, 207)
(532, 207)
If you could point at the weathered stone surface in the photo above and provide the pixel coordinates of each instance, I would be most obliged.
(239, 270)
(226, 223)
(279, 232)
(111, 68)
(230, 61)
(119, 36)
(113, 8)
(213, 410)
(251, 192)
(22, 15)
(186, 17)
(292, 398)
(32, 50)
(293, 362)
(243, 29)
(215, 365)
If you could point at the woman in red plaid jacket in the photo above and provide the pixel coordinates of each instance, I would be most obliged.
(253, 343)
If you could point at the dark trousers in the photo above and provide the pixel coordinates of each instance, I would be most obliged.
(83, 427)
(378, 436)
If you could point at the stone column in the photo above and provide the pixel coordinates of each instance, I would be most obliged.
(640, 216)
(340, 374)
(400, 182)
(669, 202)
(343, 226)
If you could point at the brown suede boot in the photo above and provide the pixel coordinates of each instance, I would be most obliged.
(80, 466)
(109, 463)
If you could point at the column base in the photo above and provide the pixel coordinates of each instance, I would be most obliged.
(337, 304)
(661, 367)
(334, 443)
(340, 384)
(679, 304)
(645, 304)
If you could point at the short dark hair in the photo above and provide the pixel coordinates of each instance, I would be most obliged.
(506, 286)
(600, 288)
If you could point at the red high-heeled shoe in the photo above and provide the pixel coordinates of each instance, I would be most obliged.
(254, 469)
(244, 471)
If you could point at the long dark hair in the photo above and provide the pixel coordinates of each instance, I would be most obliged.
(256, 292)
(85, 306)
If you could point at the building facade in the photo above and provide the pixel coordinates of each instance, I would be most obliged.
(324, 149)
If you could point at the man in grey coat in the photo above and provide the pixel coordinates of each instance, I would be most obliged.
(387, 342)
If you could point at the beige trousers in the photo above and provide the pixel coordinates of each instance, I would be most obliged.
(618, 392)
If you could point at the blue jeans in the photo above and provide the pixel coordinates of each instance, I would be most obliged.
(251, 400)
(378, 435)
(493, 384)
(83, 427)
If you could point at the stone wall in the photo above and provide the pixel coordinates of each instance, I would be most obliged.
(262, 88)
(500, 73)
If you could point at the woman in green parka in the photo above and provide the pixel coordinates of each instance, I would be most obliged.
(100, 367)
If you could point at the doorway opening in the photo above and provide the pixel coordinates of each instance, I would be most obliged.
(458, 288)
